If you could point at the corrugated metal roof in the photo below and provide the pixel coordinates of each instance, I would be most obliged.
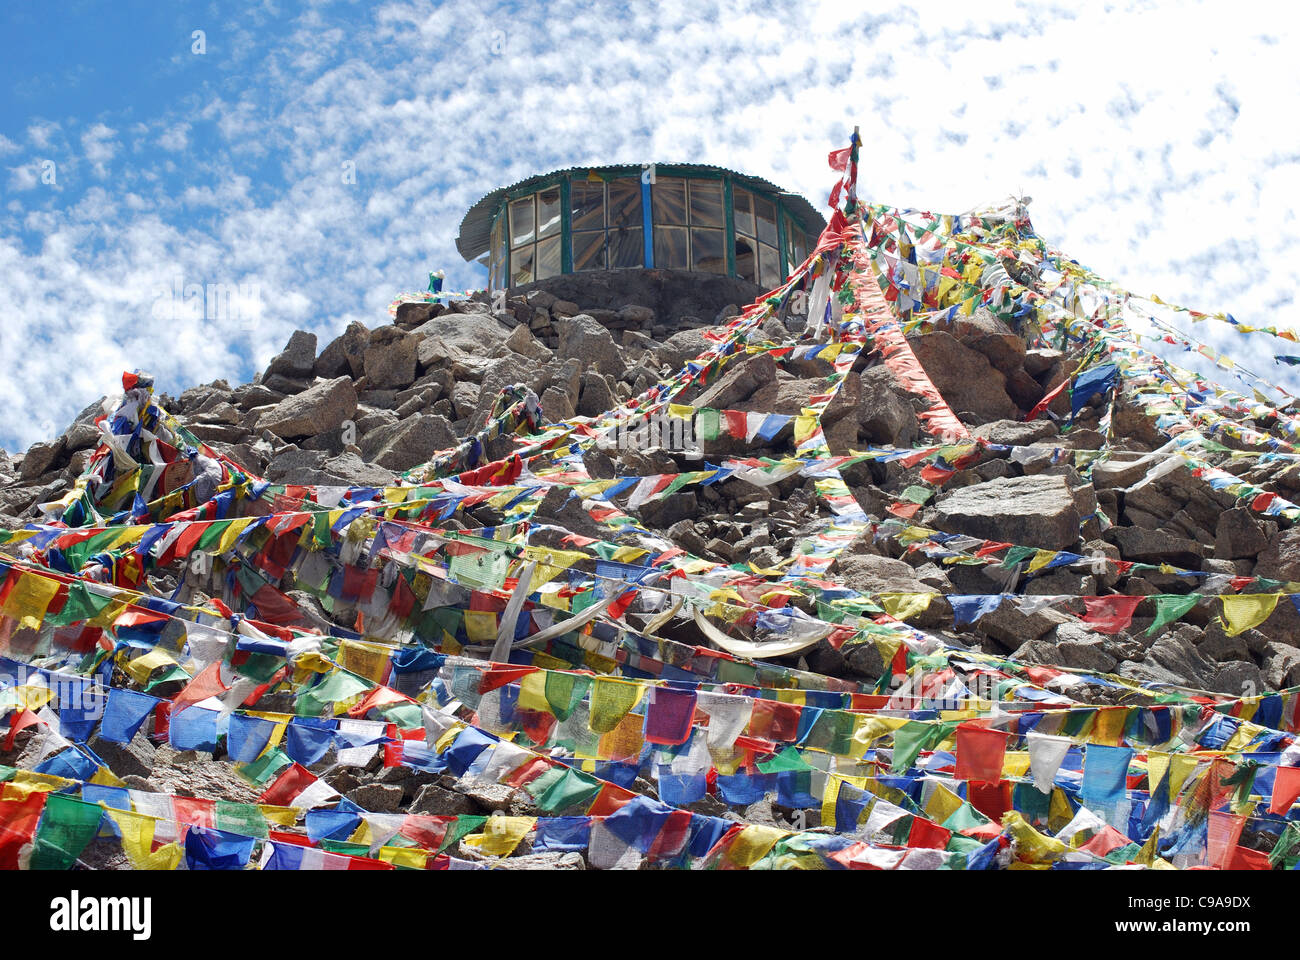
(477, 225)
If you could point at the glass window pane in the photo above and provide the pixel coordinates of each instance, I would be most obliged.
(626, 248)
(548, 258)
(587, 205)
(707, 251)
(769, 267)
(746, 262)
(670, 248)
(589, 250)
(765, 213)
(548, 212)
(669, 202)
(625, 202)
(521, 222)
(800, 248)
(521, 266)
(706, 203)
(743, 209)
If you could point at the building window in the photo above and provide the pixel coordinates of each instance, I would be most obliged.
(605, 232)
(757, 259)
(605, 223)
(535, 252)
(688, 225)
(796, 245)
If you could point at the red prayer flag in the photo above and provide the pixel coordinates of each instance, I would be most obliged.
(18, 819)
(1286, 790)
(1243, 858)
(991, 799)
(206, 684)
(1110, 614)
(980, 752)
(927, 833)
(294, 780)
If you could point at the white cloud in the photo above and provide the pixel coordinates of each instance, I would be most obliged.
(100, 148)
(23, 177)
(175, 137)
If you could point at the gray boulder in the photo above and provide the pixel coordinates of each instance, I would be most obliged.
(318, 409)
(298, 359)
(1280, 560)
(1237, 534)
(407, 443)
(345, 354)
(964, 376)
(391, 359)
(583, 338)
(1037, 511)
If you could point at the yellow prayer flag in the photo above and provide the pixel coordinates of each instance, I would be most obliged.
(1015, 763)
(105, 777)
(1041, 559)
(943, 803)
(1030, 845)
(1243, 611)
(532, 692)
(501, 835)
(829, 798)
(481, 626)
(1181, 766)
(752, 844)
(1157, 765)
(233, 529)
(141, 667)
(281, 816)
(1108, 728)
(29, 599)
(900, 606)
(413, 858)
(629, 554)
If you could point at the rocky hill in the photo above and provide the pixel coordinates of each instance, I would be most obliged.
(705, 557)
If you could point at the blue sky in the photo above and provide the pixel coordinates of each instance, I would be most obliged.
(322, 155)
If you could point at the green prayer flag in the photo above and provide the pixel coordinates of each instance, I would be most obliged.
(564, 691)
(787, 760)
(242, 818)
(1017, 555)
(964, 818)
(81, 605)
(1169, 607)
(172, 673)
(462, 826)
(212, 535)
(570, 789)
(67, 826)
(320, 529)
(610, 701)
(345, 847)
(909, 740)
(706, 424)
(264, 768)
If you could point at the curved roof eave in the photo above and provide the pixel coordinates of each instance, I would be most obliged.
(473, 239)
